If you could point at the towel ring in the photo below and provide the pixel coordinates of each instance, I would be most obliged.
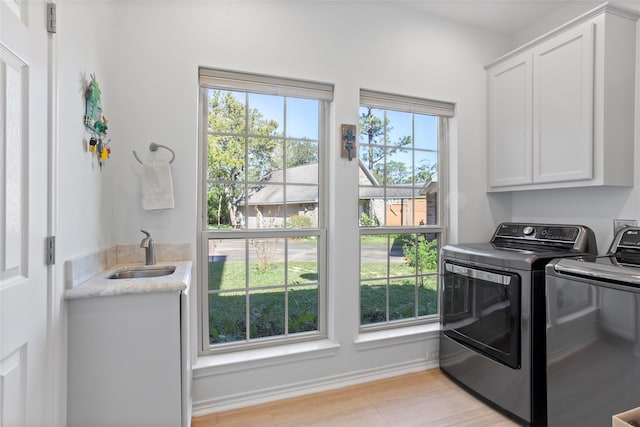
(154, 147)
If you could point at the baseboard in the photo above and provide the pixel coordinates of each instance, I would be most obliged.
(256, 397)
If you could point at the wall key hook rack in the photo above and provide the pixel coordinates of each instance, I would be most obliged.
(348, 140)
(95, 123)
(154, 147)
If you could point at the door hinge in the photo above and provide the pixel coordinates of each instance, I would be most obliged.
(51, 17)
(51, 250)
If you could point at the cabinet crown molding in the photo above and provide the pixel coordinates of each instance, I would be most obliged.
(608, 7)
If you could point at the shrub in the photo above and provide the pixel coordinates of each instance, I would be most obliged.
(299, 221)
(368, 221)
(425, 256)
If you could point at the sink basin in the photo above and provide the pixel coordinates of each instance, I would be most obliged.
(142, 272)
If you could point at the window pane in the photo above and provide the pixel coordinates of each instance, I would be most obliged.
(399, 129)
(228, 287)
(265, 207)
(371, 210)
(266, 114)
(405, 178)
(299, 196)
(265, 160)
(266, 263)
(266, 313)
(262, 176)
(302, 267)
(227, 266)
(220, 208)
(226, 158)
(402, 297)
(421, 251)
(302, 215)
(398, 277)
(426, 167)
(301, 154)
(401, 255)
(227, 317)
(372, 126)
(428, 295)
(303, 174)
(303, 309)
(426, 131)
(399, 169)
(302, 118)
(427, 249)
(373, 302)
(373, 256)
(423, 212)
(227, 113)
(398, 187)
(399, 211)
(372, 157)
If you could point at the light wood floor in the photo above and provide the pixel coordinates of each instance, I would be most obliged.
(422, 399)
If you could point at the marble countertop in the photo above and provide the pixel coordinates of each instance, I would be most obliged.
(101, 286)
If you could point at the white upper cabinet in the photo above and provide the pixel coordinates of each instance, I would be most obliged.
(560, 109)
(563, 107)
(510, 121)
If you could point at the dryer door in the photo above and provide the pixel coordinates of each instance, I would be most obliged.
(481, 309)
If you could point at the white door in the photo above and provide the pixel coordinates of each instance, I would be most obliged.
(23, 214)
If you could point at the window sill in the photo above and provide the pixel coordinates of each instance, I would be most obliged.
(258, 358)
(397, 336)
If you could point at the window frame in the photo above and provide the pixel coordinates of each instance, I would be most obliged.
(227, 80)
(444, 111)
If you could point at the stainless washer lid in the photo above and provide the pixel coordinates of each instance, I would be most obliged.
(602, 269)
(507, 258)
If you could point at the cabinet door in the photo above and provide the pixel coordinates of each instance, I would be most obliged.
(563, 106)
(510, 121)
(125, 361)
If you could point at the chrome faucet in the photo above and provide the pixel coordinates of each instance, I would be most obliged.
(147, 244)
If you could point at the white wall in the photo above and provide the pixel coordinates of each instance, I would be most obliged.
(84, 209)
(146, 55)
(594, 207)
(552, 21)
(82, 48)
(160, 46)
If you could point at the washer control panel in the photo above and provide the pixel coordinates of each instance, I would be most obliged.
(627, 238)
(539, 232)
(630, 237)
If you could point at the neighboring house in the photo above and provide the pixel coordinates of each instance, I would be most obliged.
(266, 206)
(404, 205)
(266, 202)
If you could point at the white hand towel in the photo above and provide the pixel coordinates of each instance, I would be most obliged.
(157, 186)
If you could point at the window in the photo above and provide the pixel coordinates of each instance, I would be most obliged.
(401, 212)
(262, 221)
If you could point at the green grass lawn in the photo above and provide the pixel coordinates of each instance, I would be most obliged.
(231, 275)
(267, 298)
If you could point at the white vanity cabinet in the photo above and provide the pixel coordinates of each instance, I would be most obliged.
(560, 109)
(128, 353)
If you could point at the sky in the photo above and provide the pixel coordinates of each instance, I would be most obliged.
(425, 135)
(302, 122)
(302, 114)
